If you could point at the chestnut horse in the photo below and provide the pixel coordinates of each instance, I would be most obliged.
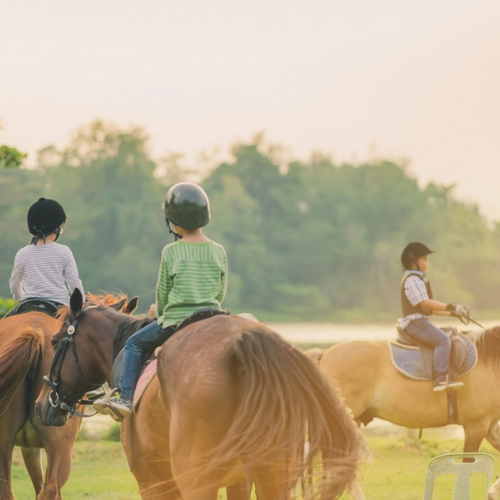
(373, 388)
(25, 356)
(231, 400)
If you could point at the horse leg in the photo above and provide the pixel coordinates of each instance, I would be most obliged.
(5, 473)
(473, 437)
(58, 447)
(192, 440)
(6, 447)
(493, 437)
(240, 491)
(32, 460)
(273, 482)
(145, 439)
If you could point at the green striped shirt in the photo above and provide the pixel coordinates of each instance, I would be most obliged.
(192, 276)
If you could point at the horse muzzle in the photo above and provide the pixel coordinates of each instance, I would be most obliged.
(50, 414)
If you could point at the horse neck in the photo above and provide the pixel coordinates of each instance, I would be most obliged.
(103, 329)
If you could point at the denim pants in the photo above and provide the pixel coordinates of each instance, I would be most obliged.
(149, 337)
(422, 330)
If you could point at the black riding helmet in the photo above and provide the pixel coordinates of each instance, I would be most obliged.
(186, 205)
(45, 217)
(412, 252)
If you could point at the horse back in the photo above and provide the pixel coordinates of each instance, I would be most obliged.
(198, 360)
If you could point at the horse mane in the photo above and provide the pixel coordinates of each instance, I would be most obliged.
(106, 302)
(127, 328)
(106, 299)
(102, 300)
(488, 345)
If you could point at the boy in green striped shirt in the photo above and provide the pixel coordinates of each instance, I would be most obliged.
(193, 275)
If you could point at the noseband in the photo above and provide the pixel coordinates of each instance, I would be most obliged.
(54, 377)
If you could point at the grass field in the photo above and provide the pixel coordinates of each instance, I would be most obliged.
(397, 471)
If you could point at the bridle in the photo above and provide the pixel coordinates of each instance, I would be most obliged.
(54, 377)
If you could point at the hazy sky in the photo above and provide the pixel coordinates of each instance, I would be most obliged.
(418, 79)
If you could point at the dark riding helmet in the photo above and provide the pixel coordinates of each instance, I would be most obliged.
(412, 252)
(45, 217)
(186, 205)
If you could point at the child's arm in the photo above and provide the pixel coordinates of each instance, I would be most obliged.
(16, 279)
(223, 285)
(71, 274)
(442, 309)
(164, 284)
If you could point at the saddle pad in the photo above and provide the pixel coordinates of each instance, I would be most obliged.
(417, 362)
(35, 305)
(144, 380)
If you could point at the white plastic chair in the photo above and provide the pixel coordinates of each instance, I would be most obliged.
(452, 463)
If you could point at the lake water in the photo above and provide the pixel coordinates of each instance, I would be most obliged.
(334, 333)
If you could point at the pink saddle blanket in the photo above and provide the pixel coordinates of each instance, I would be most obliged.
(144, 380)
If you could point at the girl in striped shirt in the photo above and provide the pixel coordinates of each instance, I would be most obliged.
(193, 275)
(45, 269)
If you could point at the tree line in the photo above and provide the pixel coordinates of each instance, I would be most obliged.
(306, 240)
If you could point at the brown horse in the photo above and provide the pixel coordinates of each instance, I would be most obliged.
(373, 388)
(25, 356)
(231, 400)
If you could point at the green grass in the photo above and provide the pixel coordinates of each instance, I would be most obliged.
(397, 471)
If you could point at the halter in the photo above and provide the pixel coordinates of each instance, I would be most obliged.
(54, 377)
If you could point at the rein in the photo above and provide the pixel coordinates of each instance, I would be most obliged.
(54, 377)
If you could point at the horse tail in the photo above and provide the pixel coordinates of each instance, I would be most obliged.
(17, 356)
(283, 398)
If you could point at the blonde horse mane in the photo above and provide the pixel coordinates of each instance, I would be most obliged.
(488, 345)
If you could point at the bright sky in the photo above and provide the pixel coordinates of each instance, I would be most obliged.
(418, 79)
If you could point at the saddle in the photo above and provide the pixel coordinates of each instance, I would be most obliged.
(148, 369)
(415, 360)
(36, 304)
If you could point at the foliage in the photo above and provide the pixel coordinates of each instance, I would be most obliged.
(6, 305)
(11, 157)
(306, 240)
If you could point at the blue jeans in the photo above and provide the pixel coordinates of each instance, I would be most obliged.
(422, 330)
(147, 338)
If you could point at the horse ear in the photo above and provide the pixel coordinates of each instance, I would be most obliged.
(118, 305)
(132, 305)
(76, 301)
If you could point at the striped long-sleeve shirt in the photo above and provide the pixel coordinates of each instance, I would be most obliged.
(191, 276)
(46, 271)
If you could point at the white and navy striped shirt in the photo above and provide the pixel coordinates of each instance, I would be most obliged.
(46, 271)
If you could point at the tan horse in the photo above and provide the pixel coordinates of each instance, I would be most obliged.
(373, 388)
(231, 400)
(25, 356)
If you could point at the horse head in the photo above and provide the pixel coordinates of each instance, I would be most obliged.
(79, 364)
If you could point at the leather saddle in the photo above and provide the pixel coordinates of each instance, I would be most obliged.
(46, 306)
(415, 360)
(199, 315)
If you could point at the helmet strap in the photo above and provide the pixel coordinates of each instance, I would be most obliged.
(177, 236)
